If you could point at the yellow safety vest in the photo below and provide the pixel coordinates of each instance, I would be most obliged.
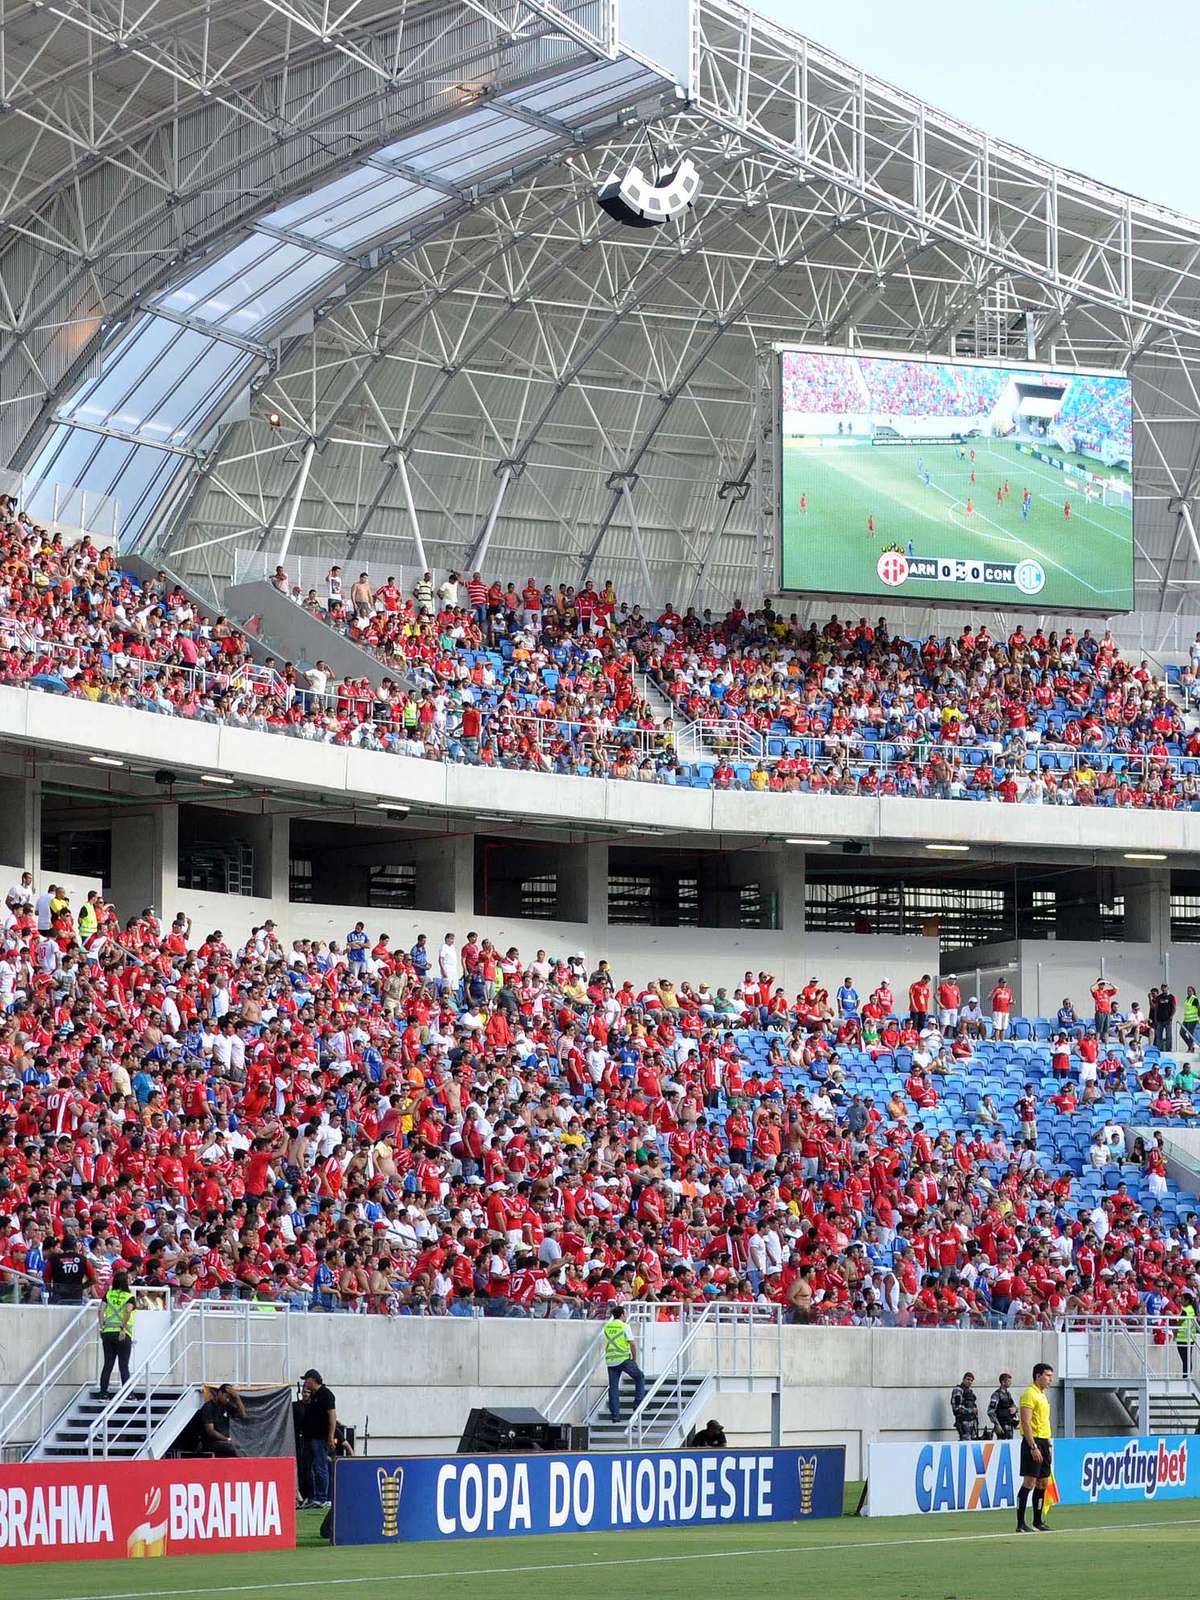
(617, 1346)
(1188, 1330)
(115, 1302)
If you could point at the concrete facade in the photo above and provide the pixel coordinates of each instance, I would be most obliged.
(408, 1384)
(727, 819)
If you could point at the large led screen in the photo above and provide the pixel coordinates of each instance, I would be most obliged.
(955, 482)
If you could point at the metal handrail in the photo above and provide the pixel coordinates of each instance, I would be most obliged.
(53, 1363)
(196, 1316)
(576, 1383)
(694, 743)
(671, 1378)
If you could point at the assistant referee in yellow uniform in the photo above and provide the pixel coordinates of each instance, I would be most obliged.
(1037, 1459)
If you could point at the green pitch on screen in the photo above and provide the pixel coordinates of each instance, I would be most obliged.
(846, 508)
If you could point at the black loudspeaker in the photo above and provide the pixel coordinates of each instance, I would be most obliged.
(516, 1428)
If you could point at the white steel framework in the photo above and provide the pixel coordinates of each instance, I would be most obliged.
(478, 360)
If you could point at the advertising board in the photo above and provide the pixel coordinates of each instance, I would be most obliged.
(378, 1501)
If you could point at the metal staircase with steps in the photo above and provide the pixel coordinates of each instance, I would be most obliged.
(1137, 1362)
(664, 1419)
(691, 1354)
(141, 1427)
(1174, 1406)
(175, 1353)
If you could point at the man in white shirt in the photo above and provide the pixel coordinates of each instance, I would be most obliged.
(449, 966)
(21, 894)
(42, 909)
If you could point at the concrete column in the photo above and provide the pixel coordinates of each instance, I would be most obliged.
(21, 823)
(1147, 906)
(782, 873)
(145, 860)
(270, 837)
(583, 889)
(1077, 905)
(446, 874)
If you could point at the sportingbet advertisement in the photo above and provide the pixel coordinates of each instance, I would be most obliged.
(955, 482)
(1089, 1472)
(378, 1501)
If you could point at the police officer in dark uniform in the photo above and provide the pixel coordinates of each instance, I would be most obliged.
(964, 1403)
(1002, 1409)
(68, 1273)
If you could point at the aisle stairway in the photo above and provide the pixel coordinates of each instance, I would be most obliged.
(141, 1427)
(665, 1420)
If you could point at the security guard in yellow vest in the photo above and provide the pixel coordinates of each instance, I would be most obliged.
(1187, 1334)
(620, 1356)
(116, 1330)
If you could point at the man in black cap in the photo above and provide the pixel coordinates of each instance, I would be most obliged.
(216, 1420)
(318, 1439)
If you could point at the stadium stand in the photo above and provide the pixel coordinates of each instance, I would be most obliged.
(347, 1127)
(548, 680)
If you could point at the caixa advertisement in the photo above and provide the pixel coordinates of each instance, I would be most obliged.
(378, 1501)
(76, 1511)
(920, 1479)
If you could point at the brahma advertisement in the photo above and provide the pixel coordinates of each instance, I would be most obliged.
(457, 1497)
(919, 1479)
(83, 1511)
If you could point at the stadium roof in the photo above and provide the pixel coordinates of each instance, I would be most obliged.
(378, 223)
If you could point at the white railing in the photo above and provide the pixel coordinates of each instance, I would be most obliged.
(1125, 1350)
(65, 507)
(205, 1331)
(28, 1401)
(735, 1340)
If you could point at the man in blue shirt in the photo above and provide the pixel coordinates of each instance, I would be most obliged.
(847, 999)
(419, 955)
(357, 941)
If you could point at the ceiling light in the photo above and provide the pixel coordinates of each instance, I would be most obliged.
(956, 849)
(1144, 855)
(274, 420)
(498, 819)
(105, 761)
(809, 841)
(396, 807)
(214, 777)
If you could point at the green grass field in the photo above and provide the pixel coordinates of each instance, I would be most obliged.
(828, 548)
(1115, 1551)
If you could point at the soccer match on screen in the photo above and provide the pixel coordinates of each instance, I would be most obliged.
(953, 481)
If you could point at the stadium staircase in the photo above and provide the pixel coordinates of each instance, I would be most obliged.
(1136, 1362)
(692, 1355)
(296, 635)
(1174, 1406)
(49, 1416)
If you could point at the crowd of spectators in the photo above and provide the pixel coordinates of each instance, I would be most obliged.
(1095, 416)
(454, 1129)
(555, 680)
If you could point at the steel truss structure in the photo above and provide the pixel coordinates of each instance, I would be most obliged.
(377, 226)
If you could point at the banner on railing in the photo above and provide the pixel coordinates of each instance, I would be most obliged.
(467, 1497)
(89, 1510)
(919, 1479)
(1090, 1472)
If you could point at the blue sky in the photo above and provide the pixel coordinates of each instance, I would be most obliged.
(1107, 89)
